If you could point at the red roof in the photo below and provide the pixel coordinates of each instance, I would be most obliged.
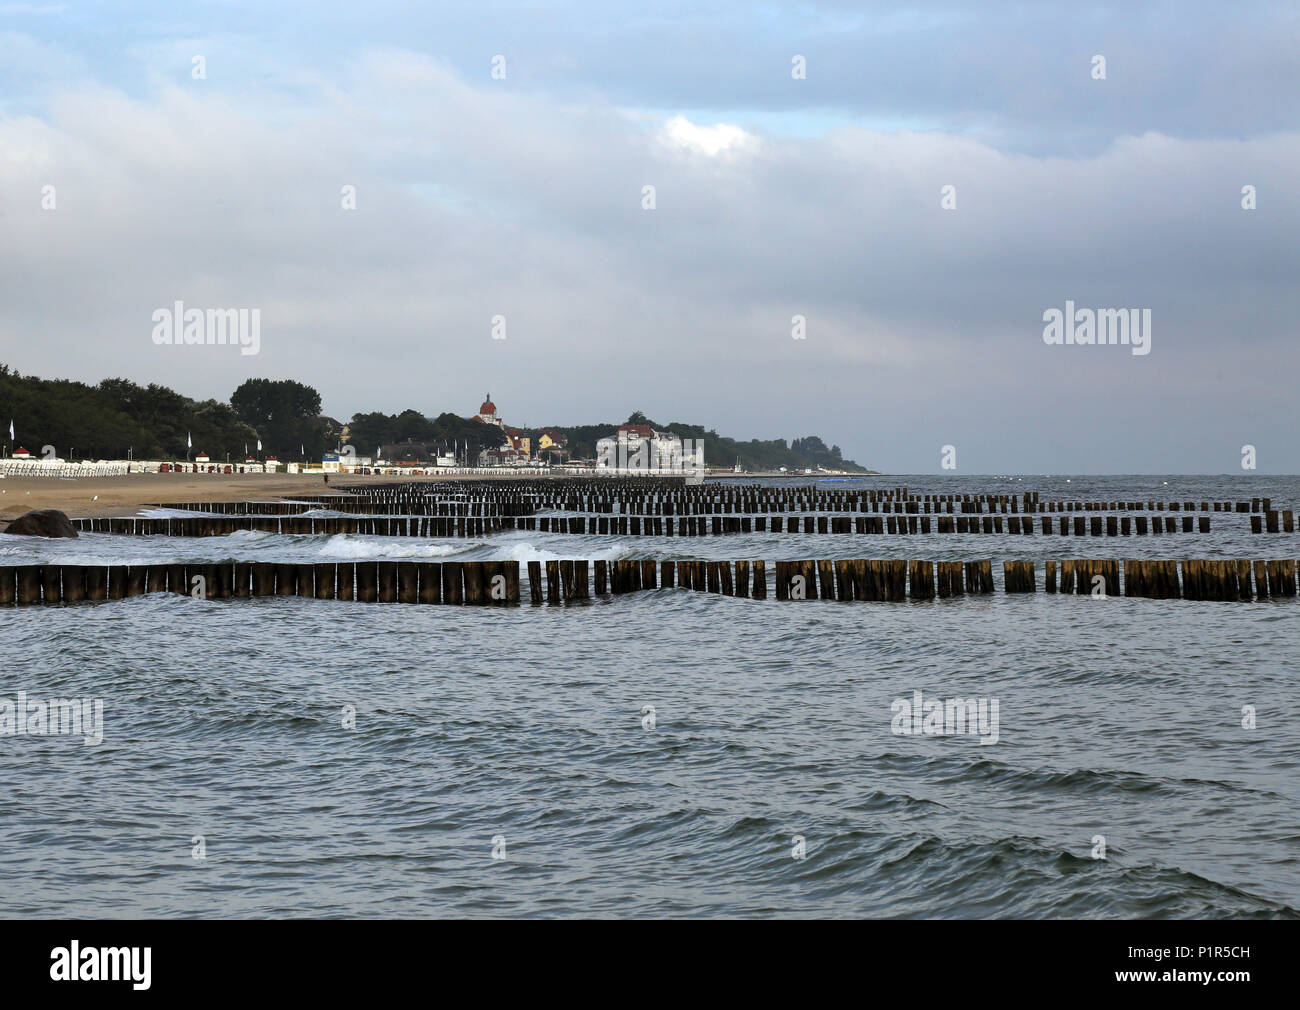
(487, 406)
(644, 430)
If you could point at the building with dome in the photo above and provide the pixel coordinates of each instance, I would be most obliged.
(487, 412)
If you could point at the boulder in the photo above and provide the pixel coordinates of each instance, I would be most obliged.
(42, 523)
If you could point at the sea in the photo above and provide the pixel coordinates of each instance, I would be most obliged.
(665, 753)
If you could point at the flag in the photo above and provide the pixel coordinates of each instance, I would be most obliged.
(188, 444)
(259, 445)
(302, 451)
(11, 428)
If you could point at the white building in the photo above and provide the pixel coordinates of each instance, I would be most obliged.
(638, 448)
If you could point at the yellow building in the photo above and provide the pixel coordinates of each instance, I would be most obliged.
(551, 439)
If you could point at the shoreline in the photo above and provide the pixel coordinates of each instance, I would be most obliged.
(94, 497)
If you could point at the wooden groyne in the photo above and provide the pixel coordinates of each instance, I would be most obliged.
(224, 525)
(497, 583)
(668, 496)
(637, 525)
(485, 583)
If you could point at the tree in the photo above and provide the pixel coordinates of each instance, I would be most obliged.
(285, 414)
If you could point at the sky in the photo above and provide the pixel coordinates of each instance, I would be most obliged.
(426, 202)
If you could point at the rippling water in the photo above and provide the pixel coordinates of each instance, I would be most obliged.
(1120, 718)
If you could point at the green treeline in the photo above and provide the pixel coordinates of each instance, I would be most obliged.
(117, 418)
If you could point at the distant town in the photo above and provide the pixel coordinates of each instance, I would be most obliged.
(271, 426)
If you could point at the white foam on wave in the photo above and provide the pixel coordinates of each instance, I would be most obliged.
(251, 536)
(350, 547)
(524, 551)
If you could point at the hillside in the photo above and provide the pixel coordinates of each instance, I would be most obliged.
(721, 451)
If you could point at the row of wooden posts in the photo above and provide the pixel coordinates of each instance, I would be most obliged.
(670, 497)
(1273, 522)
(682, 526)
(224, 525)
(496, 583)
(453, 582)
(425, 505)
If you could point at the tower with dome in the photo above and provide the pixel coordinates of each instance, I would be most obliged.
(487, 412)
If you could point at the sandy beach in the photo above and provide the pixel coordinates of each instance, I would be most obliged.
(123, 496)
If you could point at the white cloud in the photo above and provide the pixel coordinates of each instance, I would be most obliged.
(711, 140)
(476, 200)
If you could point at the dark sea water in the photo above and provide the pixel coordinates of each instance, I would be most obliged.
(223, 719)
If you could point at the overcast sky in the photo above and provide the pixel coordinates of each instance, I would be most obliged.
(774, 197)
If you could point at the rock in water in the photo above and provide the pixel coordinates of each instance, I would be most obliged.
(42, 523)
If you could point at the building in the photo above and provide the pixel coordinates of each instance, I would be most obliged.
(639, 447)
(487, 412)
(552, 438)
(520, 441)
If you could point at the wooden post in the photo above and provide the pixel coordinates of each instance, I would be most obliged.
(1281, 577)
(367, 582)
(28, 585)
(1243, 579)
(844, 588)
(117, 582)
(408, 582)
(429, 582)
(601, 577)
(452, 574)
(386, 581)
(921, 578)
(979, 577)
(1261, 580)
(760, 580)
(345, 577)
(306, 579)
(511, 571)
(73, 578)
(8, 585)
(97, 582)
(473, 576)
(323, 580)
